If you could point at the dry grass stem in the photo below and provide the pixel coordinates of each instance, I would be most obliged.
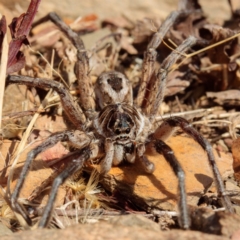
(3, 70)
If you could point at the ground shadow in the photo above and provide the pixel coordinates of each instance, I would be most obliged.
(205, 180)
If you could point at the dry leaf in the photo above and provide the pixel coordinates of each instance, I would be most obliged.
(224, 95)
(236, 158)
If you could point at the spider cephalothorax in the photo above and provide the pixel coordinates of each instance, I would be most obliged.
(112, 126)
(113, 87)
(121, 122)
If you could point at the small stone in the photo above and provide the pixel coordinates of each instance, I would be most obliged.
(135, 220)
(4, 230)
(219, 223)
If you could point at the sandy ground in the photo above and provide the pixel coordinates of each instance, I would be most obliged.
(215, 9)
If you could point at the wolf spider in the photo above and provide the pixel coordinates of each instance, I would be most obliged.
(113, 127)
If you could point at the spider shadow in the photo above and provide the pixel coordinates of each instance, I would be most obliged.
(35, 166)
(205, 180)
(131, 172)
(9, 152)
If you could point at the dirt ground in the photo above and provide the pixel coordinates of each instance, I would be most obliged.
(134, 10)
(209, 224)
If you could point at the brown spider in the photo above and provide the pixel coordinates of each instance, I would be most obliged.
(122, 128)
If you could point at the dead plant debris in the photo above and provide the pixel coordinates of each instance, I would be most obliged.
(203, 87)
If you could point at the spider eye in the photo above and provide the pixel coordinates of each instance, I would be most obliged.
(128, 130)
(117, 131)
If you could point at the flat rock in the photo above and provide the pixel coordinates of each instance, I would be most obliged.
(133, 10)
(219, 223)
(39, 172)
(160, 188)
(4, 230)
(115, 230)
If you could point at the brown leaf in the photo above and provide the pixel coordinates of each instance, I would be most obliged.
(55, 152)
(222, 52)
(175, 83)
(224, 95)
(187, 26)
(236, 158)
(117, 22)
(127, 45)
(89, 18)
(144, 29)
(3, 30)
(47, 34)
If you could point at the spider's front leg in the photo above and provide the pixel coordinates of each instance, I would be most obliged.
(115, 154)
(150, 55)
(72, 109)
(77, 138)
(86, 90)
(106, 162)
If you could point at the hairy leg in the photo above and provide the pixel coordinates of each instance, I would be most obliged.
(71, 136)
(157, 84)
(163, 148)
(75, 165)
(86, 91)
(169, 126)
(150, 55)
(72, 109)
(148, 165)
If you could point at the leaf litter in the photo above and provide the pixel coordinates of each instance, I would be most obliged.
(208, 81)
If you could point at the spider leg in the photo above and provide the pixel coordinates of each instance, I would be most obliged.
(150, 55)
(173, 122)
(106, 162)
(86, 90)
(47, 182)
(77, 138)
(114, 155)
(75, 165)
(119, 153)
(72, 109)
(130, 153)
(148, 165)
(157, 85)
(163, 148)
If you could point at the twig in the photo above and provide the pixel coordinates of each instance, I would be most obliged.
(90, 212)
(20, 28)
(3, 70)
(19, 114)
